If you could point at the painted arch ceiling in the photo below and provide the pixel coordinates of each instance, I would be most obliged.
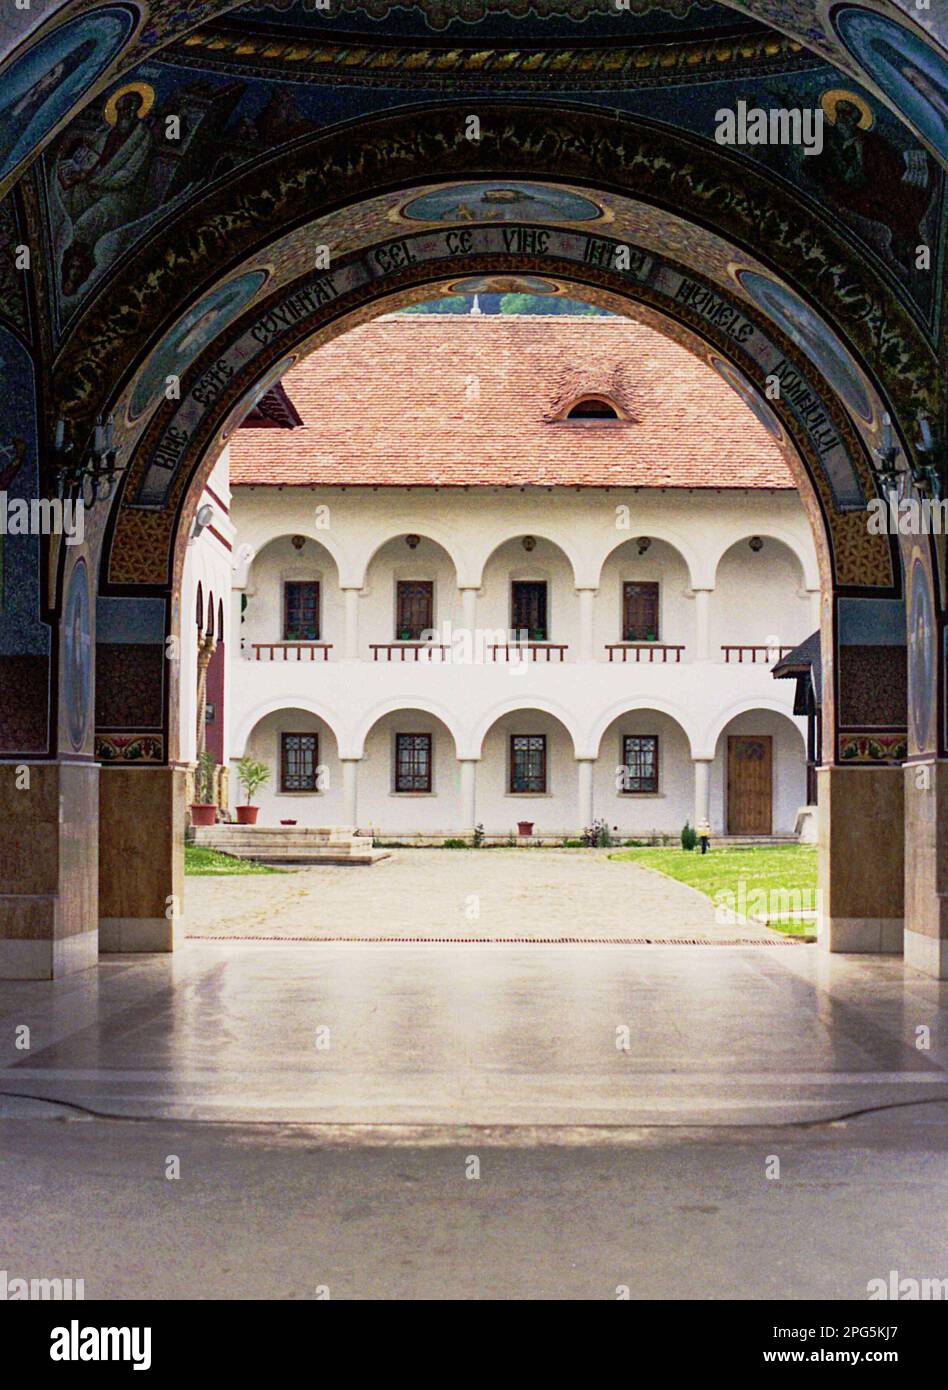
(302, 127)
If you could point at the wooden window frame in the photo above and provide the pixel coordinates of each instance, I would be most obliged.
(512, 763)
(414, 791)
(624, 763)
(642, 583)
(540, 583)
(299, 733)
(400, 627)
(314, 583)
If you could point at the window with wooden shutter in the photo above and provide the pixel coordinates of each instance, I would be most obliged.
(528, 610)
(528, 763)
(640, 612)
(301, 610)
(414, 609)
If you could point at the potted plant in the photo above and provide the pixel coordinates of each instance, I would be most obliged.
(204, 809)
(524, 827)
(251, 775)
(404, 635)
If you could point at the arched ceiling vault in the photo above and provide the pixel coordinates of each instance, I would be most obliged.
(151, 26)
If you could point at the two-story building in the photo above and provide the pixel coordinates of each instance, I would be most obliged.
(481, 569)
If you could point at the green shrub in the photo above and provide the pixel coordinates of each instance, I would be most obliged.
(689, 837)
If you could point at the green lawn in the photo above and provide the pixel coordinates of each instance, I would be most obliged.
(773, 879)
(212, 861)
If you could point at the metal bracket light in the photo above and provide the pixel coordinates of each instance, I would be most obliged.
(929, 475)
(89, 475)
(885, 467)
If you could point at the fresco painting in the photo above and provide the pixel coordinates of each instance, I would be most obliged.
(45, 82)
(904, 66)
(738, 382)
(496, 202)
(805, 328)
(190, 336)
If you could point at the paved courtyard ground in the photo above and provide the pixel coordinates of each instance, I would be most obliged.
(491, 894)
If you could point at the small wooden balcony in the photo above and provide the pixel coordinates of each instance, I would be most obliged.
(299, 651)
(408, 651)
(662, 652)
(531, 651)
(753, 654)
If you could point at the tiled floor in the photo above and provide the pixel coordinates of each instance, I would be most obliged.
(480, 1034)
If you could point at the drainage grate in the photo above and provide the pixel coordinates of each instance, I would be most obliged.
(525, 940)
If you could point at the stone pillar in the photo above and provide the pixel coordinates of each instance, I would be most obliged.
(205, 651)
(141, 858)
(48, 881)
(350, 791)
(586, 597)
(926, 867)
(468, 795)
(585, 768)
(702, 767)
(703, 624)
(469, 611)
(350, 648)
(861, 839)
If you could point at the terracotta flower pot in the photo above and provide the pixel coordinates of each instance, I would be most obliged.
(203, 813)
(524, 827)
(247, 815)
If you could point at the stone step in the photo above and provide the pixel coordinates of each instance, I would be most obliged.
(284, 844)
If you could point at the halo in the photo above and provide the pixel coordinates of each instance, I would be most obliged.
(144, 90)
(831, 99)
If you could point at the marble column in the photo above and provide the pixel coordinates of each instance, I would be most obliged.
(350, 648)
(48, 876)
(468, 795)
(469, 611)
(141, 858)
(586, 609)
(926, 867)
(585, 767)
(350, 791)
(703, 624)
(861, 844)
(702, 767)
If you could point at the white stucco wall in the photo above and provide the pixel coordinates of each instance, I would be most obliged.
(585, 540)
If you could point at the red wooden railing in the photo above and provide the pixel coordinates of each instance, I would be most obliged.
(767, 653)
(313, 650)
(663, 651)
(390, 649)
(534, 649)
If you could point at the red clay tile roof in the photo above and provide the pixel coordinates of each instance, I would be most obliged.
(450, 400)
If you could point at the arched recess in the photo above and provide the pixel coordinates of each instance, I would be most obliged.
(473, 744)
(643, 779)
(759, 575)
(809, 566)
(291, 595)
(528, 587)
(409, 588)
(354, 741)
(408, 776)
(701, 212)
(527, 769)
(758, 776)
(300, 747)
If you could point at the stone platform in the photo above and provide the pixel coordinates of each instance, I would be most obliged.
(290, 844)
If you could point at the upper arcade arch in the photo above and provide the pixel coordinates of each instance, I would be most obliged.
(809, 569)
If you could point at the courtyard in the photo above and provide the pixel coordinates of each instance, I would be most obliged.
(462, 894)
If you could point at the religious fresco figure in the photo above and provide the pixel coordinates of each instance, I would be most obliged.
(910, 71)
(41, 86)
(102, 178)
(861, 170)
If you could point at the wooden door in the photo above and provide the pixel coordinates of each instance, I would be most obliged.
(749, 784)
